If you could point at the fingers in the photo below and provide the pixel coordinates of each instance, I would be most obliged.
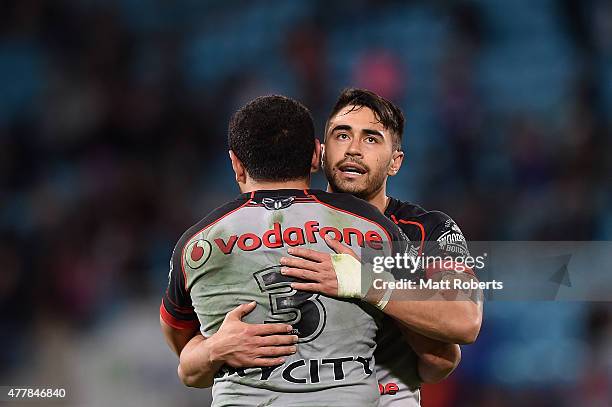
(270, 329)
(300, 273)
(300, 263)
(277, 340)
(266, 362)
(307, 253)
(310, 287)
(241, 310)
(338, 247)
(275, 351)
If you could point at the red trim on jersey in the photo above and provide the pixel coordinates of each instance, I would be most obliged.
(174, 322)
(177, 307)
(297, 201)
(205, 227)
(354, 214)
(409, 222)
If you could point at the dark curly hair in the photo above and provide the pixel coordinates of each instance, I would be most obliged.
(274, 138)
(389, 115)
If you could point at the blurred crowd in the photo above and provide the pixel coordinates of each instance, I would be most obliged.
(113, 120)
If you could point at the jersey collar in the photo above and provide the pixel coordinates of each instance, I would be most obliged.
(270, 193)
(392, 206)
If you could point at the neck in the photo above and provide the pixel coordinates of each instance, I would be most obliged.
(252, 185)
(379, 199)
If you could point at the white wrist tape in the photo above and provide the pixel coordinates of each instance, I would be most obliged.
(348, 274)
(384, 300)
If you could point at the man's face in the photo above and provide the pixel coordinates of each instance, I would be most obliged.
(359, 153)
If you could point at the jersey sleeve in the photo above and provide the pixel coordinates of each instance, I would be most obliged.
(447, 243)
(176, 308)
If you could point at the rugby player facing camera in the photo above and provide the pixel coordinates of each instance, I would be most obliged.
(417, 340)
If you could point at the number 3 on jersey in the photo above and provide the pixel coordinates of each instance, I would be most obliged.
(303, 310)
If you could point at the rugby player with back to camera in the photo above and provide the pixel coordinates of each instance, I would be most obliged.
(363, 148)
(232, 257)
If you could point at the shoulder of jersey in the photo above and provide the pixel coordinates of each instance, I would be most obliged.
(406, 213)
(213, 217)
(344, 201)
(354, 205)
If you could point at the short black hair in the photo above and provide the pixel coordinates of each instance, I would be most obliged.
(385, 111)
(273, 136)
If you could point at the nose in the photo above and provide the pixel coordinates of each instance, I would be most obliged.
(354, 149)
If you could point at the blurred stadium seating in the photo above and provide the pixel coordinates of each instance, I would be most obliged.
(113, 120)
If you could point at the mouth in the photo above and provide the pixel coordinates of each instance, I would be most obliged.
(352, 169)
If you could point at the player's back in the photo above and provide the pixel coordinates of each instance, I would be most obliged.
(232, 257)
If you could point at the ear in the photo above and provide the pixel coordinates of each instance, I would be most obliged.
(238, 168)
(322, 162)
(316, 157)
(396, 162)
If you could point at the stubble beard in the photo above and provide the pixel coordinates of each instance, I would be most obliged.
(365, 189)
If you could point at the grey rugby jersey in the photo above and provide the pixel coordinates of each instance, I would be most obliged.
(232, 257)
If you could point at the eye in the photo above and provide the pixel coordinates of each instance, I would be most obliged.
(371, 140)
(342, 136)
